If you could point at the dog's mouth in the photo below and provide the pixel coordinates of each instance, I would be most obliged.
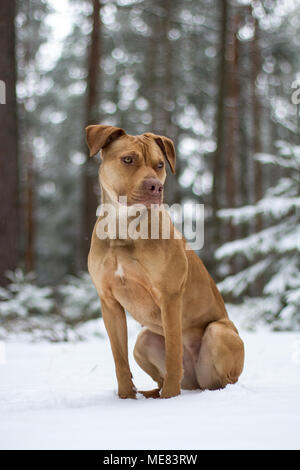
(152, 201)
(146, 201)
(141, 200)
(149, 193)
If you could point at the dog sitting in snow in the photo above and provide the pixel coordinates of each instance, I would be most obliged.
(188, 341)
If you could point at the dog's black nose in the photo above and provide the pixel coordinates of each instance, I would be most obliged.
(153, 186)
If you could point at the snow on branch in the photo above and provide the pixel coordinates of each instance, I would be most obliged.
(239, 282)
(270, 206)
(272, 239)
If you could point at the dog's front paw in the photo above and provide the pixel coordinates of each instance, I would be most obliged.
(127, 392)
(127, 395)
(169, 391)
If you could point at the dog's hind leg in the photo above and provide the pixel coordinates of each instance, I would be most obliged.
(149, 353)
(221, 357)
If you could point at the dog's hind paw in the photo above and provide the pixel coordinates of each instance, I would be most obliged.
(150, 393)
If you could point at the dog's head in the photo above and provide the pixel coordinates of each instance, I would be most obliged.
(132, 166)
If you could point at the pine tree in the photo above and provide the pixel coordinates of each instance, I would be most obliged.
(92, 116)
(32, 33)
(273, 253)
(9, 169)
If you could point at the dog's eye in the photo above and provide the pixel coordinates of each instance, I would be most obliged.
(160, 165)
(127, 160)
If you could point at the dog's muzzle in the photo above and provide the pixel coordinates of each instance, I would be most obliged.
(152, 189)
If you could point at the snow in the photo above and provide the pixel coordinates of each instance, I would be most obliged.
(63, 396)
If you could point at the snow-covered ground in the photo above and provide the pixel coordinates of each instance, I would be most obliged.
(63, 396)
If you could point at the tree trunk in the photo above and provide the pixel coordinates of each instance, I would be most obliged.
(256, 67)
(168, 128)
(220, 116)
(159, 89)
(256, 114)
(27, 156)
(90, 181)
(9, 207)
(29, 212)
(232, 119)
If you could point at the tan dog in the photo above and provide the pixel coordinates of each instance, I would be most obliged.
(188, 340)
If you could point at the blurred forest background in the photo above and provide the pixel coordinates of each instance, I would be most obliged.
(219, 77)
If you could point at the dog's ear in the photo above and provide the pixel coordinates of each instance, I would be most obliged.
(167, 147)
(98, 137)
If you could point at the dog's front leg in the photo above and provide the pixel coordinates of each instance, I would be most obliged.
(115, 323)
(171, 311)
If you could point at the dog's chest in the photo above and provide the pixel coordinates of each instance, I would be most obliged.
(130, 285)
